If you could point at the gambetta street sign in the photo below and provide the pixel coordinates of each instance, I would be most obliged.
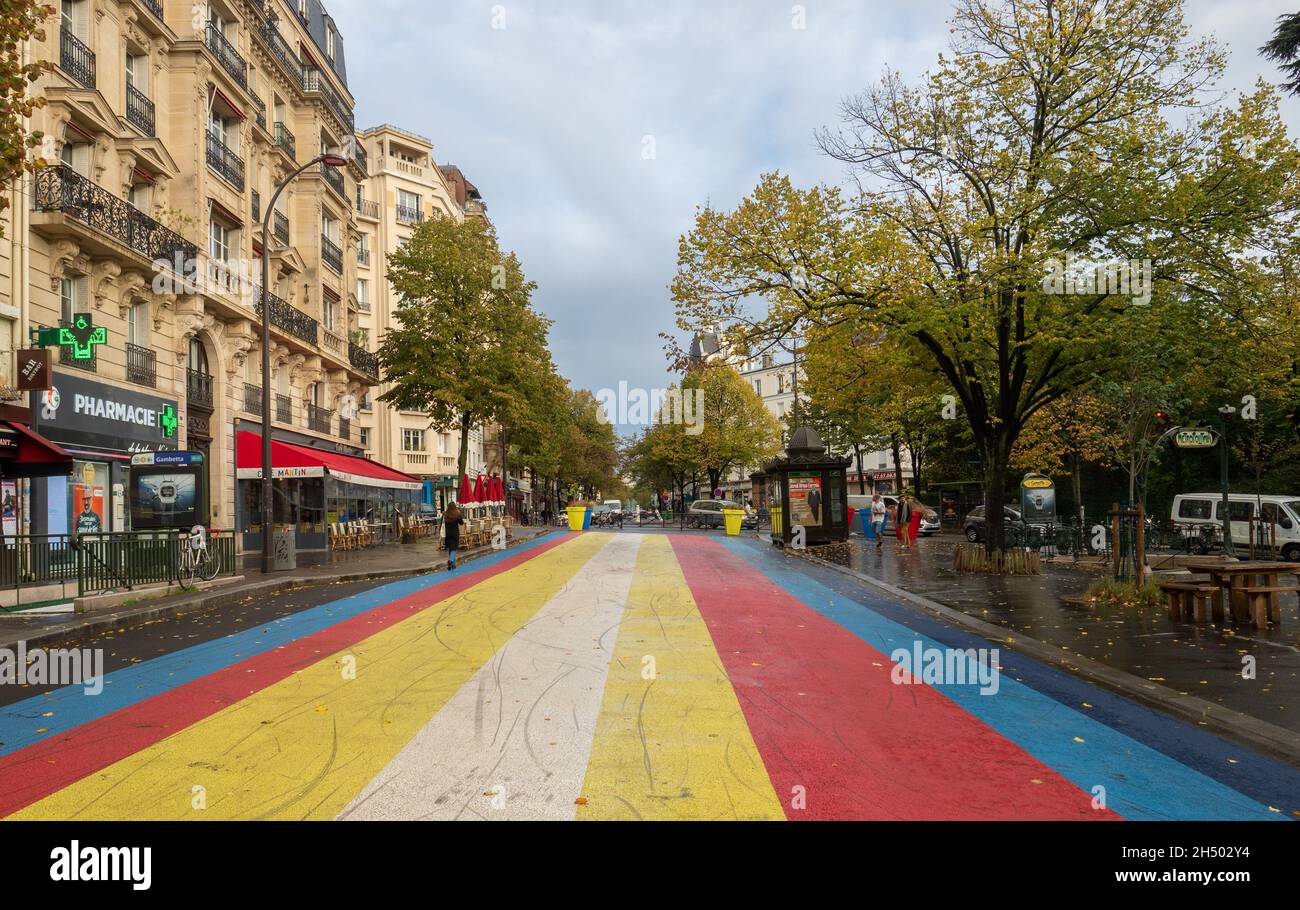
(1194, 438)
(83, 412)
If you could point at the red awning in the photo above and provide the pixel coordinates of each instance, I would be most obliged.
(289, 460)
(36, 455)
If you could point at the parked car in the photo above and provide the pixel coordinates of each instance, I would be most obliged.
(707, 513)
(929, 515)
(1193, 511)
(973, 525)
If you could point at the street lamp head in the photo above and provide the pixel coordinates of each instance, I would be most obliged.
(1227, 411)
(334, 160)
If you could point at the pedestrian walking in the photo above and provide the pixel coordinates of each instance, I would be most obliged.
(878, 516)
(903, 521)
(451, 522)
(914, 525)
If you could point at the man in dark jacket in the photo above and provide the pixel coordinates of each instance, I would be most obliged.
(451, 522)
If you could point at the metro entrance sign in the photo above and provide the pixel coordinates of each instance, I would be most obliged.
(1195, 438)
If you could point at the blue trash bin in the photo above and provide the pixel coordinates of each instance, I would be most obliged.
(864, 516)
(586, 520)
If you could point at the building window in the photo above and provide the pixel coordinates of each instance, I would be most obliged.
(363, 295)
(328, 306)
(412, 440)
(137, 324)
(329, 42)
(758, 386)
(365, 437)
(73, 296)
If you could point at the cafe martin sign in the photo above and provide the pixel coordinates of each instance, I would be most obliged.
(81, 412)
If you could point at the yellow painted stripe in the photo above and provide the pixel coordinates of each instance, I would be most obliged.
(302, 748)
(675, 746)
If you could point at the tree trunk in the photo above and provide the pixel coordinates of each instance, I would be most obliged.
(862, 474)
(1076, 480)
(894, 447)
(995, 477)
(464, 448)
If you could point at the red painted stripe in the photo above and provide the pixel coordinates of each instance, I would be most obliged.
(826, 716)
(35, 772)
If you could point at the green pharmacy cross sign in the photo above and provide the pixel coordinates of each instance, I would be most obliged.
(83, 336)
(167, 420)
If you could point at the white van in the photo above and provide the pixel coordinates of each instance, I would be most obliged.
(1192, 510)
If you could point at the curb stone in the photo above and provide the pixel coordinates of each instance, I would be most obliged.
(138, 616)
(1277, 742)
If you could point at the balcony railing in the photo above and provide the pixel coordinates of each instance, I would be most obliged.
(280, 226)
(253, 399)
(365, 361)
(198, 388)
(361, 158)
(280, 50)
(257, 206)
(139, 110)
(363, 256)
(155, 7)
(67, 354)
(330, 254)
(77, 60)
(318, 418)
(285, 140)
(334, 177)
(227, 56)
(367, 208)
(409, 215)
(226, 164)
(261, 111)
(288, 318)
(345, 428)
(315, 81)
(283, 409)
(61, 189)
(363, 306)
(141, 365)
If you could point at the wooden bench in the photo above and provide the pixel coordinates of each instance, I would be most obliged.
(1182, 595)
(1261, 603)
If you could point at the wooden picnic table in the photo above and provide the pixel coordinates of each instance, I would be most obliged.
(1239, 585)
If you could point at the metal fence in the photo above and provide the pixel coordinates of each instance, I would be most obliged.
(99, 563)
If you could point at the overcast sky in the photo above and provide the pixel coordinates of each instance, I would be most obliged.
(549, 116)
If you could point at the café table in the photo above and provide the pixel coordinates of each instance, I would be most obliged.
(1232, 579)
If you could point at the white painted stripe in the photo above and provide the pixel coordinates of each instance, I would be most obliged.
(515, 741)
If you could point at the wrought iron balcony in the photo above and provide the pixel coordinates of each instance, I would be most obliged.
(288, 318)
(141, 365)
(61, 189)
(345, 428)
(280, 227)
(261, 111)
(363, 360)
(367, 208)
(257, 206)
(253, 399)
(316, 81)
(230, 59)
(331, 254)
(361, 158)
(198, 388)
(67, 354)
(279, 48)
(226, 164)
(318, 418)
(283, 409)
(139, 110)
(77, 60)
(155, 7)
(334, 177)
(285, 140)
(408, 215)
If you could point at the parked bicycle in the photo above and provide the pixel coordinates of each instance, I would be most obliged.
(196, 560)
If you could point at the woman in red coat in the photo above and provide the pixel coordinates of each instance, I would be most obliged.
(914, 525)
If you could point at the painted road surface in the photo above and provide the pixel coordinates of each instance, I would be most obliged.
(613, 676)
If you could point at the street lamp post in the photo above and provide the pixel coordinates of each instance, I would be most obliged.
(1225, 414)
(268, 511)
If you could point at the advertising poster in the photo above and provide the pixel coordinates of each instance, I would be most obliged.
(1038, 499)
(88, 508)
(806, 499)
(9, 508)
(164, 499)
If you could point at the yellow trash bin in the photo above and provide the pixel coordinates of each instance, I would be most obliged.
(576, 515)
(733, 518)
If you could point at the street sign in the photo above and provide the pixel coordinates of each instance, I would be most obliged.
(35, 372)
(1195, 438)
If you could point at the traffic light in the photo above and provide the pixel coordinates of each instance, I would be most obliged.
(1162, 416)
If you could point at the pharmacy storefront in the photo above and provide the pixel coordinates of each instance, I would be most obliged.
(101, 426)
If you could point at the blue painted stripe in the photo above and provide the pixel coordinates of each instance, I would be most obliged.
(1140, 782)
(71, 706)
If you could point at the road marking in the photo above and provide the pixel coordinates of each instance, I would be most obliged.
(675, 746)
(834, 730)
(302, 748)
(513, 743)
(1140, 782)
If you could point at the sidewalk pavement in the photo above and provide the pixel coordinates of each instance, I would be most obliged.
(43, 629)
